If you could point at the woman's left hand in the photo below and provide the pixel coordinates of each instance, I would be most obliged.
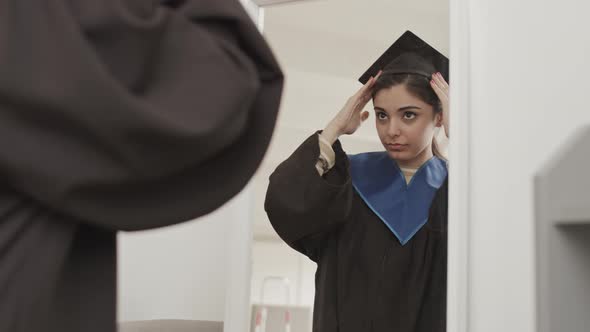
(441, 88)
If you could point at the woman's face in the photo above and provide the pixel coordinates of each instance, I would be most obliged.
(406, 125)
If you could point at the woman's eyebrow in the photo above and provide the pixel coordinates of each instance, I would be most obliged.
(405, 108)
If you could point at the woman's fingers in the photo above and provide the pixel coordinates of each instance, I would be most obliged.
(441, 84)
(378, 74)
(442, 80)
(440, 90)
(369, 85)
(360, 99)
(363, 101)
(366, 87)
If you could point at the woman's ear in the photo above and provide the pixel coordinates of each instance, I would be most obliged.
(438, 118)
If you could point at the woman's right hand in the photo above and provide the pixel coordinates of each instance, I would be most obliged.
(350, 117)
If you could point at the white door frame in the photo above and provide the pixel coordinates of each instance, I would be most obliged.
(459, 246)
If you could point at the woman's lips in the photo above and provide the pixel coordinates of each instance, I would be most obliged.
(396, 147)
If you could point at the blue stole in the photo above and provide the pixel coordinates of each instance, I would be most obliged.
(403, 207)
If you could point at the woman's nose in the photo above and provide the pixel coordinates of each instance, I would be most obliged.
(394, 128)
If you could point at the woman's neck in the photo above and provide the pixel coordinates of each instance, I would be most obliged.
(418, 161)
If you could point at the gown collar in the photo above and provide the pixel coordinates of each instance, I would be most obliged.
(403, 207)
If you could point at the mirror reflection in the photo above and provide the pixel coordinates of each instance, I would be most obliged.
(352, 198)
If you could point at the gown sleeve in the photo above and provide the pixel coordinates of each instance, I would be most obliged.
(304, 207)
(133, 114)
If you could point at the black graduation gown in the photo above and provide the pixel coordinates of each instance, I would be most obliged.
(365, 280)
(117, 115)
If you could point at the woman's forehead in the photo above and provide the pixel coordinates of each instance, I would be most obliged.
(396, 97)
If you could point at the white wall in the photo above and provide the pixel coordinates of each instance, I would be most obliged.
(273, 258)
(179, 272)
(529, 83)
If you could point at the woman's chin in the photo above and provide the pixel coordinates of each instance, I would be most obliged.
(398, 155)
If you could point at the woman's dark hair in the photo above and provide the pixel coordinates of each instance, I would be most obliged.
(417, 85)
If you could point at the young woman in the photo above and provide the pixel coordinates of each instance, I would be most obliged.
(375, 223)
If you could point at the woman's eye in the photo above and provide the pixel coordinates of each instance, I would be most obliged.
(409, 115)
(381, 116)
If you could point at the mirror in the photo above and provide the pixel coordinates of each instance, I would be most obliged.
(337, 264)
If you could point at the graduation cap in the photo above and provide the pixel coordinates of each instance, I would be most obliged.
(409, 55)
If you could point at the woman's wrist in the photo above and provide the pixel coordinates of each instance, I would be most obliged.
(331, 133)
